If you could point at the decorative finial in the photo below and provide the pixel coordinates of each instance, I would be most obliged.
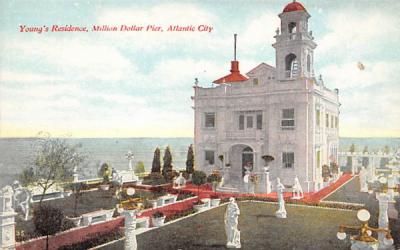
(277, 31)
(196, 81)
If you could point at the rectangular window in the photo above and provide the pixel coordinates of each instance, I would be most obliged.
(332, 121)
(336, 122)
(259, 121)
(318, 117)
(209, 154)
(255, 81)
(288, 159)
(287, 122)
(249, 122)
(327, 120)
(209, 120)
(241, 122)
(318, 159)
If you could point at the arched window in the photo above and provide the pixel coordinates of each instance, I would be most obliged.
(292, 27)
(308, 63)
(291, 65)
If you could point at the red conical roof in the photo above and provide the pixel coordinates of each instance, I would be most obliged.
(294, 6)
(234, 76)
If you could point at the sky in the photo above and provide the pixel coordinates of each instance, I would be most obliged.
(138, 84)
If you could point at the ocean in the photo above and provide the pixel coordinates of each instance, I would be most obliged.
(18, 153)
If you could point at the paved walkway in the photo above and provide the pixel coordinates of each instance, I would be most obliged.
(205, 191)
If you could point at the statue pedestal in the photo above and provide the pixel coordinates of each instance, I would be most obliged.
(281, 214)
(231, 245)
(128, 176)
(7, 219)
(130, 229)
(361, 245)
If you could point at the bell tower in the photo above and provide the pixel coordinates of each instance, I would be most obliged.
(294, 44)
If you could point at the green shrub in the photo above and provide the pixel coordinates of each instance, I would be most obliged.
(139, 167)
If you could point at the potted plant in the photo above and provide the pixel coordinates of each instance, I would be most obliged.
(326, 173)
(157, 219)
(105, 172)
(254, 179)
(199, 206)
(215, 200)
(76, 188)
(214, 178)
(198, 179)
(267, 159)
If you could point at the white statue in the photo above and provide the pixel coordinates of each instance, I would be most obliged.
(246, 181)
(180, 181)
(297, 192)
(129, 156)
(21, 199)
(280, 188)
(231, 223)
(363, 180)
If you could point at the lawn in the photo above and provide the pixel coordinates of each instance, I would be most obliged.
(305, 228)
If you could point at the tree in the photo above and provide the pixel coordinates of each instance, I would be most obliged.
(167, 162)
(326, 173)
(386, 149)
(365, 160)
(54, 163)
(105, 173)
(190, 160)
(139, 167)
(77, 188)
(199, 178)
(352, 148)
(156, 165)
(48, 221)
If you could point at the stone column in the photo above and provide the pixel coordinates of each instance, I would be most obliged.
(383, 221)
(354, 162)
(7, 219)
(75, 175)
(265, 183)
(391, 186)
(130, 228)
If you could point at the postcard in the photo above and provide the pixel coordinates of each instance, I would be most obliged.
(253, 124)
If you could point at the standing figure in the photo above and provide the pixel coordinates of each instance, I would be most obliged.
(21, 198)
(231, 223)
(280, 188)
(363, 180)
(297, 192)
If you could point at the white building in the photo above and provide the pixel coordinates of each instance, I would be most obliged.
(282, 111)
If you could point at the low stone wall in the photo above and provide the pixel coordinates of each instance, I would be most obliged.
(74, 235)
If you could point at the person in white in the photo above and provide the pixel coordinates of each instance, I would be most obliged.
(297, 192)
(231, 222)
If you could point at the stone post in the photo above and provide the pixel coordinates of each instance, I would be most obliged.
(354, 163)
(75, 174)
(7, 219)
(130, 228)
(383, 221)
(391, 186)
(266, 186)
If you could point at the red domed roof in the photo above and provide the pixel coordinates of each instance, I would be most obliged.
(294, 6)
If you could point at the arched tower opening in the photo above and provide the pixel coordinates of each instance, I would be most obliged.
(291, 65)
